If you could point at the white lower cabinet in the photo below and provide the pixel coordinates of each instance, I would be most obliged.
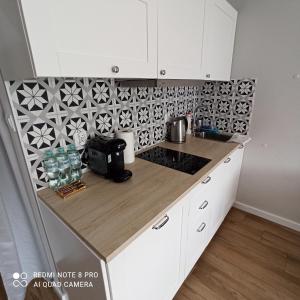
(155, 264)
(210, 201)
(232, 166)
(149, 267)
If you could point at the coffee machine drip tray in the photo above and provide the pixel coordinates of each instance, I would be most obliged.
(176, 160)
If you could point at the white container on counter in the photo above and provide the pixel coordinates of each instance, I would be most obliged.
(128, 137)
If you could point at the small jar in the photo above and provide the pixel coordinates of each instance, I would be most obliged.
(63, 166)
(75, 162)
(51, 168)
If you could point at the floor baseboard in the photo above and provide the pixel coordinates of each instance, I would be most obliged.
(269, 216)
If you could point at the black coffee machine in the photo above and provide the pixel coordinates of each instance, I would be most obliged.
(105, 156)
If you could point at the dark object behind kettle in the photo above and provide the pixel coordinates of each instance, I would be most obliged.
(105, 157)
(176, 129)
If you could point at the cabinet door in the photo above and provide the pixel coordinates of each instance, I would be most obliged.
(197, 242)
(93, 38)
(180, 38)
(232, 167)
(219, 196)
(148, 268)
(219, 32)
(226, 178)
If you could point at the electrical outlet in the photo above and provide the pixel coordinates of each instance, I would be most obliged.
(80, 138)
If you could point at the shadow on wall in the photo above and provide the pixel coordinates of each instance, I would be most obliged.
(267, 47)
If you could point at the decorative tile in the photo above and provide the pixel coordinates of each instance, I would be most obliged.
(170, 91)
(240, 126)
(142, 92)
(208, 88)
(223, 124)
(158, 133)
(223, 106)
(123, 93)
(157, 92)
(100, 92)
(225, 88)
(158, 111)
(71, 94)
(49, 111)
(181, 91)
(143, 115)
(75, 125)
(245, 87)
(125, 118)
(242, 108)
(143, 138)
(41, 135)
(104, 122)
(32, 96)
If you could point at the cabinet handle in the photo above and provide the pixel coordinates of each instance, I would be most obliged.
(207, 180)
(207, 75)
(115, 69)
(241, 146)
(163, 72)
(203, 205)
(201, 227)
(161, 223)
(227, 160)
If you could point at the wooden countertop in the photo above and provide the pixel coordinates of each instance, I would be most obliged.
(108, 215)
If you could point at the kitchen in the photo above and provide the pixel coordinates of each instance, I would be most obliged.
(171, 114)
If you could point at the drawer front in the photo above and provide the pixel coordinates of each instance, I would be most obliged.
(200, 204)
(202, 198)
(198, 238)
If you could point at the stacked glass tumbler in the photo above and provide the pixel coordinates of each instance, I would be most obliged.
(62, 167)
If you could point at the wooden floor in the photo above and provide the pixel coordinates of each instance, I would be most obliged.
(249, 258)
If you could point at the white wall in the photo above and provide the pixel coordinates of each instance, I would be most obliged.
(268, 48)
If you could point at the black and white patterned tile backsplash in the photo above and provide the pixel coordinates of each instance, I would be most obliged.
(228, 105)
(48, 111)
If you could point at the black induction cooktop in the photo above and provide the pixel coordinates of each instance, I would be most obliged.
(179, 161)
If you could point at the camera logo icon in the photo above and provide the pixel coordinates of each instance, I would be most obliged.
(20, 279)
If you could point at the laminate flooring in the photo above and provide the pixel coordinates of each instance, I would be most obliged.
(248, 258)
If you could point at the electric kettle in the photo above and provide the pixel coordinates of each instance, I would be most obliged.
(176, 130)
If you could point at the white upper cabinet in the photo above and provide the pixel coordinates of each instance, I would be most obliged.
(218, 43)
(180, 38)
(92, 38)
(165, 39)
